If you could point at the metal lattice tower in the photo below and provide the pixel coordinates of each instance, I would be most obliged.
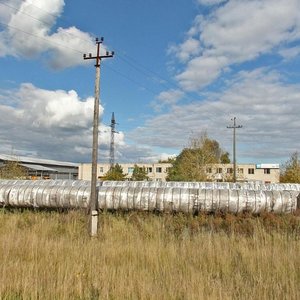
(112, 141)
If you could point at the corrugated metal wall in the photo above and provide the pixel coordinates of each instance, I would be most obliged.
(188, 197)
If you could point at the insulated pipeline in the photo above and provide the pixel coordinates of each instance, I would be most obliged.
(186, 197)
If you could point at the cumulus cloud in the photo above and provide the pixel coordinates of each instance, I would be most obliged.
(55, 124)
(29, 33)
(233, 33)
(53, 109)
(263, 103)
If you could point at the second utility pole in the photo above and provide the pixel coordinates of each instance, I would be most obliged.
(234, 127)
(94, 195)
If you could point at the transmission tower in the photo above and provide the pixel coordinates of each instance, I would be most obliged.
(112, 141)
(234, 127)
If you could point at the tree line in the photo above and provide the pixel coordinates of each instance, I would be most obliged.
(192, 162)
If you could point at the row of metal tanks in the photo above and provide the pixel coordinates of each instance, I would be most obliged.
(187, 197)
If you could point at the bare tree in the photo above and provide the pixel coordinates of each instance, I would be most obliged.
(291, 170)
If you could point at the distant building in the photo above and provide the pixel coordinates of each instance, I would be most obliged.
(37, 168)
(265, 173)
(155, 172)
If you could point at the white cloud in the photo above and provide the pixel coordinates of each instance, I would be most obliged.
(290, 53)
(60, 109)
(233, 33)
(210, 2)
(28, 33)
(57, 124)
(186, 50)
(201, 71)
(54, 124)
(167, 98)
(267, 108)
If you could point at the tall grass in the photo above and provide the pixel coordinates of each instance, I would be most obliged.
(143, 256)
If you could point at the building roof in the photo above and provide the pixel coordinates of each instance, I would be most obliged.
(38, 168)
(34, 160)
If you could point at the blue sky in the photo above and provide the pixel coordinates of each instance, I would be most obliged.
(181, 68)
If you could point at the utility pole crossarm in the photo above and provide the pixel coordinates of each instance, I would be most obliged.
(234, 127)
(98, 57)
(93, 196)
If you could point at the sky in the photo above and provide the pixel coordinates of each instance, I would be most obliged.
(181, 69)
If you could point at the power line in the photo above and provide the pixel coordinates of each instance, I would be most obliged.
(39, 20)
(25, 13)
(42, 38)
(127, 59)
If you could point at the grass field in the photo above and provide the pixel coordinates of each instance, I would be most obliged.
(145, 256)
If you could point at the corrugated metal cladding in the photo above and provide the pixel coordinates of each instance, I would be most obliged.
(187, 197)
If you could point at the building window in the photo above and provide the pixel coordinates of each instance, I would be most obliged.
(250, 171)
(229, 170)
(208, 170)
(101, 169)
(158, 170)
(240, 171)
(149, 170)
(267, 171)
(130, 170)
(219, 170)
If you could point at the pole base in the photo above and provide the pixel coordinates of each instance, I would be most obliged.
(94, 223)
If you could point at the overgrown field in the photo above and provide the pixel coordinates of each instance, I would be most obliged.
(145, 256)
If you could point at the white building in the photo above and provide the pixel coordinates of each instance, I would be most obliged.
(265, 173)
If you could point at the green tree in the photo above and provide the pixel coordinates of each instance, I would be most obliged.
(115, 173)
(291, 170)
(191, 163)
(12, 170)
(139, 173)
(224, 159)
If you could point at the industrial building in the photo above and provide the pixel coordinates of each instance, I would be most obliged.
(37, 168)
(264, 173)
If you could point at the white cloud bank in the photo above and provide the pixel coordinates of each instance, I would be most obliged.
(28, 33)
(51, 124)
(263, 103)
(57, 124)
(234, 32)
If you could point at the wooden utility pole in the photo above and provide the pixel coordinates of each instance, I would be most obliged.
(234, 127)
(94, 195)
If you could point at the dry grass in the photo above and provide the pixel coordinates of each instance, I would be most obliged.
(141, 256)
